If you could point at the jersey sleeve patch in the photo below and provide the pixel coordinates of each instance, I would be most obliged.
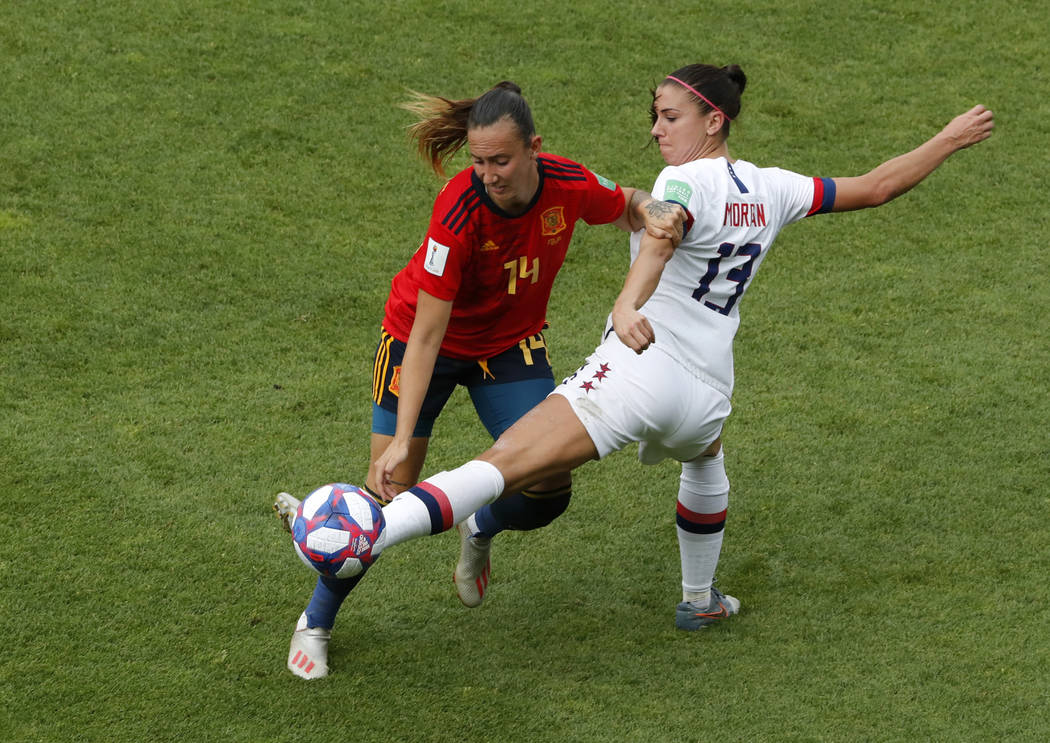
(436, 258)
(679, 192)
(823, 196)
(604, 181)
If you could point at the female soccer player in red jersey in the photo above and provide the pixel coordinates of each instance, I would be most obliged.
(469, 309)
(470, 306)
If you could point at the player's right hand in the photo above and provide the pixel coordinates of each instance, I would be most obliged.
(384, 466)
(664, 220)
(969, 128)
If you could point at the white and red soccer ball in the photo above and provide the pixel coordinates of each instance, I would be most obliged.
(339, 530)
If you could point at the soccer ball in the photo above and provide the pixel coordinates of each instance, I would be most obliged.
(339, 530)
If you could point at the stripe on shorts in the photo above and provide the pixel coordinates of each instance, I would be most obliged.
(379, 368)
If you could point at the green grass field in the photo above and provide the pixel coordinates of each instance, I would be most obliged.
(201, 206)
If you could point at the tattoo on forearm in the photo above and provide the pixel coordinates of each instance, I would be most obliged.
(657, 208)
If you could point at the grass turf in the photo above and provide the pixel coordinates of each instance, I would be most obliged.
(201, 206)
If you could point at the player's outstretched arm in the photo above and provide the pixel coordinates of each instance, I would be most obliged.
(417, 369)
(898, 175)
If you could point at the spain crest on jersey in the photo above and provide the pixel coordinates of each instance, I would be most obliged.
(553, 220)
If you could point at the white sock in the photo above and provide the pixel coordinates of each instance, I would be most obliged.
(472, 527)
(442, 501)
(703, 497)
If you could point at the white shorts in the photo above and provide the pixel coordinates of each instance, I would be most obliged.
(622, 397)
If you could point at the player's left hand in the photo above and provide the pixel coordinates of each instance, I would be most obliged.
(969, 128)
(633, 329)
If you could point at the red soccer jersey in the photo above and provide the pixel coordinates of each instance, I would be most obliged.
(498, 269)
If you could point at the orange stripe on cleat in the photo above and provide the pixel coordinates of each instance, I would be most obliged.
(483, 581)
(309, 667)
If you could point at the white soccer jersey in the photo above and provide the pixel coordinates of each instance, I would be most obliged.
(736, 211)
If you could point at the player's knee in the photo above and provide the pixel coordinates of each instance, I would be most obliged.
(547, 505)
(703, 496)
(705, 476)
(532, 509)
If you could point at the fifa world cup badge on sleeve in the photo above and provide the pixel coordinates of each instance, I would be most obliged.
(605, 182)
(437, 255)
(678, 192)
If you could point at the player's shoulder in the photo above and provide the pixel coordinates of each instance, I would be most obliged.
(772, 172)
(704, 169)
(696, 176)
(457, 201)
(730, 172)
(549, 159)
(561, 169)
(456, 185)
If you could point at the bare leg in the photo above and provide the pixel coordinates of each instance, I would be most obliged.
(546, 442)
(405, 474)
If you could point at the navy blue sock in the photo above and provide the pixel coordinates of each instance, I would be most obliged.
(488, 524)
(327, 598)
(523, 511)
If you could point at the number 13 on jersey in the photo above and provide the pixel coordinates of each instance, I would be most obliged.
(739, 275)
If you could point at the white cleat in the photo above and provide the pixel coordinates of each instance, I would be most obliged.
(472, 570)
(286, 505)
(308, 655)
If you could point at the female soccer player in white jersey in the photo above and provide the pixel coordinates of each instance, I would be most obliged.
(664, 374)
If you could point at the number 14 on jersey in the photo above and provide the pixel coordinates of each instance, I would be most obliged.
(520, 269)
